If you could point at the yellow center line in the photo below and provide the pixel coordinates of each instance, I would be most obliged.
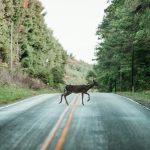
(51, 135)
(63, 135)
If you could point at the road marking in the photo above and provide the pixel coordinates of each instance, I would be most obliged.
(133, 101)
(63, 135)
(33, 98)
(51, 135)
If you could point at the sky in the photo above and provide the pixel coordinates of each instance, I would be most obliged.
(74, 24)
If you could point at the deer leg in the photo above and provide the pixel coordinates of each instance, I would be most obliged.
(82, 98)
(66, 94)
(89, 96)
(61, 98)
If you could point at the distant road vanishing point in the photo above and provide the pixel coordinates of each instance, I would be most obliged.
(107, 122)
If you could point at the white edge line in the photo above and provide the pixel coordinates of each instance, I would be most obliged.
(132, 100)
(25, 100)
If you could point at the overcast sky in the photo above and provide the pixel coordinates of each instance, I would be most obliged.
(74, 23)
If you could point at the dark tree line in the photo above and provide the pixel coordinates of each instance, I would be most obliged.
(123, 52)
(34, 47)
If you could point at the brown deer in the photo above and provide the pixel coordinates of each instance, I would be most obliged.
(77, 89)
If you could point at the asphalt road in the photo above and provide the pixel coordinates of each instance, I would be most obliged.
(107, 122)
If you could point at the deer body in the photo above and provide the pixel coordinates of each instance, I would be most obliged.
(77, 89)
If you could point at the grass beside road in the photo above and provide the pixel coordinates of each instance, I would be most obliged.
(141, 97)
(9, 94)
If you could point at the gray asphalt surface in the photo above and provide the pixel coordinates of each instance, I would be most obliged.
(107, 122)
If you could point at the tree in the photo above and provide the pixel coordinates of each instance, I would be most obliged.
(122, 54)
(34, 46)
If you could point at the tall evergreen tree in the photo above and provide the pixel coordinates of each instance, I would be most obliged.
(123, 52)
(34, 46)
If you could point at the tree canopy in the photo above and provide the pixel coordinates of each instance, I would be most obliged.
(34, 47)
(123, 51)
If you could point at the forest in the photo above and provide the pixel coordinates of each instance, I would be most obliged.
(30, 53)
(123, 49)
(27, 45)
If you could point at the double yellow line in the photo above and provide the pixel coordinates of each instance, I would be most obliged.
(65, 130)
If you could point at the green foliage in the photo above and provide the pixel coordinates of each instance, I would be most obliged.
(76, 71)
(34, 46)
(141, 97)
(10, 93)
(4, 35)
(125, 38)
(58, 75)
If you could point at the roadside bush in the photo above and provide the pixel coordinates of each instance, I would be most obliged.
(17, 78)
